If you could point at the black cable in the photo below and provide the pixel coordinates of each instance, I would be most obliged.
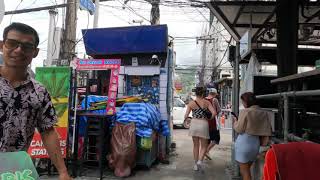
(132, 10)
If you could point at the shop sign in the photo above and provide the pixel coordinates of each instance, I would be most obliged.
(245, 44)
(97, 64)
(37, 149)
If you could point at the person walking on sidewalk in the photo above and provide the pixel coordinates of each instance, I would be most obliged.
(199, 127)
(214, 132)
(24, 103)
(253, 126)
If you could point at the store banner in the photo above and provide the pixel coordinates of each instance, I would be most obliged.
(37, 149)
(97, 64)
(57, 82)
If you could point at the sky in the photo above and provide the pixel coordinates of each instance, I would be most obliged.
(182, 22)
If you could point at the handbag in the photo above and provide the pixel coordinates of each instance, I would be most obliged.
(206, 113)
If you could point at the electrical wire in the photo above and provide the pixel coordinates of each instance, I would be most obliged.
(225, 52)
(15, 10)
(118, 17)
(84, 34)
(132, 10)
(31, 4)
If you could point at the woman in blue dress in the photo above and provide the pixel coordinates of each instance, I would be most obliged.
(253, 124)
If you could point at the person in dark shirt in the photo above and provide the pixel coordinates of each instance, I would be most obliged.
(213, 128)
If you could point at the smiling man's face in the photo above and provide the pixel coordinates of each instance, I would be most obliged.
(18, 49)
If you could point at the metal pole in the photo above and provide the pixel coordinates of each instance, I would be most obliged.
(286, 117)
(236, 79)
(235, 106)
(70, 32)
(96, 14)
(52, 14)
(290, 94)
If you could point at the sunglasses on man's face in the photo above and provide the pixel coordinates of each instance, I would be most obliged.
(13, 44)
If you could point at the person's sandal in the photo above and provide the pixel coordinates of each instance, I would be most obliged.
(208, 157)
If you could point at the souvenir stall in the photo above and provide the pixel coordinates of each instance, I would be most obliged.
(93, 102)
(142, 95)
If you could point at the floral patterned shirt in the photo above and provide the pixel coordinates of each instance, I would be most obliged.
(22, 109)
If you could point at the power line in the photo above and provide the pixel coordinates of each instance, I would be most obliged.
(132, 10)
(119, 17)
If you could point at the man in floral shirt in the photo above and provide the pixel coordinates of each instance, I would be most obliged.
(24, 103)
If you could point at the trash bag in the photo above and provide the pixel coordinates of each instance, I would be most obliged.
(123, 149)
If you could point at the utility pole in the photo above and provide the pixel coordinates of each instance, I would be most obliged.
(69, 43)
(96, 14)
(203, 63)
(155, 12)
(50, 48)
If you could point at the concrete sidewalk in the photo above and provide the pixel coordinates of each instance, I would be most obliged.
(181, 162)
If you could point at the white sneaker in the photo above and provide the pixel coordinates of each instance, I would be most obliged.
(195, 167)
(200, 166)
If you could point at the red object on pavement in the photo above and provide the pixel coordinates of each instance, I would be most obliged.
(270, 166)
(293, 161)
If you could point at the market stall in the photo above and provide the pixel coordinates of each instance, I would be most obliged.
(93, 111)
(109, 97)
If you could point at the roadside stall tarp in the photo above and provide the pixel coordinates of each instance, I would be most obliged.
(146, 117)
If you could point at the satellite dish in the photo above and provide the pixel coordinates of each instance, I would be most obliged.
(2, 9)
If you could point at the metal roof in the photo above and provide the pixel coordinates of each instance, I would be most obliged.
(239, 16)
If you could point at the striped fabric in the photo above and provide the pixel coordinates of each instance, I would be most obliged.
(164, 128)
(146, 117)
(198, 113)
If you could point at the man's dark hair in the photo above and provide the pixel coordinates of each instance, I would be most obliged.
(22, 28)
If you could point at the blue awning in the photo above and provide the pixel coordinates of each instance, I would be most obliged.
(126, 40)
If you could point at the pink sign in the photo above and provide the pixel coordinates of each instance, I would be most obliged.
(104, 64)
(113, 88)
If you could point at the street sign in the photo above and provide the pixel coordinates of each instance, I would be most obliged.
(88, 5)
(245, 44)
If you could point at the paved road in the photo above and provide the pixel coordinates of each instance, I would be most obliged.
(181, 162)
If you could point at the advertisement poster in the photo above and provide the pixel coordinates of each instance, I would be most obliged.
(57, 82)
(145, 86)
